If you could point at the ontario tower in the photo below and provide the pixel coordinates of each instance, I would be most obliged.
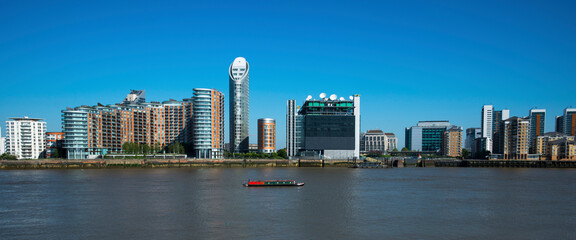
(239, 102)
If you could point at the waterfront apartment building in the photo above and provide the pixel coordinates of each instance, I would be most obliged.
(90, 131)
(515, 138)
(54, 142)
(239, 82)
(266, 135)
(569, 121)
(555, 146)
(325, 128)
(537, 119)
(471, 134)
(427, 136)
(452, 142)
(2, 143)
(208, 123)
(25, 137)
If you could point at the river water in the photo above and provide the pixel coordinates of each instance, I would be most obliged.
(335, 203)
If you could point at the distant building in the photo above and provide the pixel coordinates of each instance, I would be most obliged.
(471, 134)
(252, 147)
(569, 125)
(452, 143)
(480, 144)
(54, 142)
(555, 146)
(208, 123)
(239, 77)
(391, 142)
(377, 141)
(427, 136)
(2, 143)
(497, 118)
(515, 136)
(486, 122)
(266, 135)
(559, 124)
(537, 119)
(328, 127)
(25, 137)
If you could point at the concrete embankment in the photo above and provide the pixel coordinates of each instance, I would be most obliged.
(164, 163)
(506, 164)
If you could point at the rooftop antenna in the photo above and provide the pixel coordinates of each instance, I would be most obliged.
(333, 97)
(322, 95)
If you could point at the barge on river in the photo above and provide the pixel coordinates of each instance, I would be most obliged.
(273, 183)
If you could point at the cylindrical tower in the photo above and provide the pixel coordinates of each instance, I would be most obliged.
(266, 135)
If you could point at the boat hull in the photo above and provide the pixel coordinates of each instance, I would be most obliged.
(273, 185)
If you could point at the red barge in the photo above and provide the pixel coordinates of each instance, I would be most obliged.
(273, 183)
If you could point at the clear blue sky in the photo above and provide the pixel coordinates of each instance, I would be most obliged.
(410, 60)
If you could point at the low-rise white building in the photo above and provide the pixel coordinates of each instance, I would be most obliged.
(25, 137)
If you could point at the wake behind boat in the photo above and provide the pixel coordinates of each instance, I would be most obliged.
(273, 183)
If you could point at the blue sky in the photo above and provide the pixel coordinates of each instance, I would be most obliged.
(409, 60)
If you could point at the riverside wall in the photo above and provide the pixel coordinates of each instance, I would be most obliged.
(166, 163)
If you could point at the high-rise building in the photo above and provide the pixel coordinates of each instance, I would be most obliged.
(208, 123)
(427, 136)
(239, 105)
(537, 119)
(569, 125)
(486, 123)
(497, 118)
(54, 142)
(515, 137)
(559, 124)
(291, 112)
(471, 134)
(90, 131)
(25, 137)
(266, 135)
(452, 143)
(328, 127)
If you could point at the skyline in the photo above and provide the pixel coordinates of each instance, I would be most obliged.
(411, 61)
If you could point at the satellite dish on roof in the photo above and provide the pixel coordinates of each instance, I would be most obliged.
(341, 98)
(333, 97)
(309, 97)
(322, 95)
(351, 98)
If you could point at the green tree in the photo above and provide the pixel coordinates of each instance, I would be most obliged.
(465, 153)
(282, 153)
(405, 149)
(7, 156)
(395, 150)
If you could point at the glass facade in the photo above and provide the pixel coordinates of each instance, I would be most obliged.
(239, 105)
